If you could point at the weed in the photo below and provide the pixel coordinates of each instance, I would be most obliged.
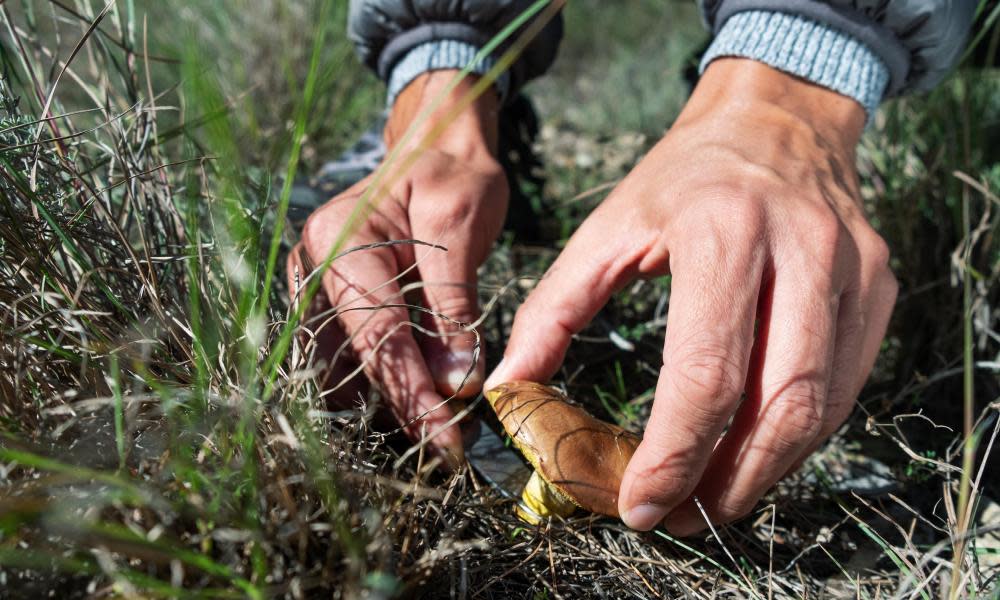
(162, 432)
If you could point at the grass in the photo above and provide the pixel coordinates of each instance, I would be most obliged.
(157, 441)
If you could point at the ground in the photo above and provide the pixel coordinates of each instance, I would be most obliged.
(160, 431)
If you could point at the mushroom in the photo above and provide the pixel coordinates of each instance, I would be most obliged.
(579, 460)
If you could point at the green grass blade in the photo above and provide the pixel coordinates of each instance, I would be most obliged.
(303, 112)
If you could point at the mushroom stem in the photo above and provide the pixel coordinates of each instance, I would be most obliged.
(541, 500)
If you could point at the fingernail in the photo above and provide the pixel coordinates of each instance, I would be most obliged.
(497, 377)
(462, 382)
(644, 516)
(454, 377)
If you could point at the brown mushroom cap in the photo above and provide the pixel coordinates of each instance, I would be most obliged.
(583, 457)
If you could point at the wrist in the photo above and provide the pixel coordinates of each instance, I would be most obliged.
(472, 133)
(742, 88)
(813, 50)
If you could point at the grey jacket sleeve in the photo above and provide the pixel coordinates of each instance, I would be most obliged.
(384, 31)
(918, 40)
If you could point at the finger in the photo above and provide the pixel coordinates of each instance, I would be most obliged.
(381, 337)
(453, 351)
(861, 326)
(593, 265)
(463, 212)
(323, 338)
(448, 279)
(784, 407)
(709, 335)
(361, 286)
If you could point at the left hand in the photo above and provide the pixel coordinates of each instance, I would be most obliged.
(751, 203)
(453, 194)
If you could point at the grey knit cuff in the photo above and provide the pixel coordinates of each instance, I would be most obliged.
(807, 49)
(437, 55)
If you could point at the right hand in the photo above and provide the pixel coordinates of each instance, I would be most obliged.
(780, 291)
(454, 195)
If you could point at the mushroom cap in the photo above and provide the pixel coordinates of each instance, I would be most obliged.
(583, 457)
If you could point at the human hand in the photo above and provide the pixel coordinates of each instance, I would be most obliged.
(751, 203)
(454, 195)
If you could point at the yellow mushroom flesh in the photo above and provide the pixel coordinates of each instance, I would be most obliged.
(542, 500)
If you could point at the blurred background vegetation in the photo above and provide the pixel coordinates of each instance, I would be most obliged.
(159, 431)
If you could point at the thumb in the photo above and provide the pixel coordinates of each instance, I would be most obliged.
(574, 289)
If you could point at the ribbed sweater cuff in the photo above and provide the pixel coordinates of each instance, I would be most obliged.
(437, 55)
(807, 49)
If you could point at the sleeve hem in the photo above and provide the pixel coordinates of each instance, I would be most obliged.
(437, 55)
(807, 49)
(877, 37)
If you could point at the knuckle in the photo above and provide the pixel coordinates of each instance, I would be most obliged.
(318, 229)
(876, 255)
(455, 306)
(731, 198)
(746, 179)
(795, 415)
(827, 233)
(890, 285)
(711, 369)
(494, 176)
(877, 252)
(821, 236)
(466, 197)
(667, 478)
(706, 388)
(722, 229)
(377, 333)
(311, 231)
(459, 210)
(737, 211)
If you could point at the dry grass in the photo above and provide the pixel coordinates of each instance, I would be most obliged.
(145, 451)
